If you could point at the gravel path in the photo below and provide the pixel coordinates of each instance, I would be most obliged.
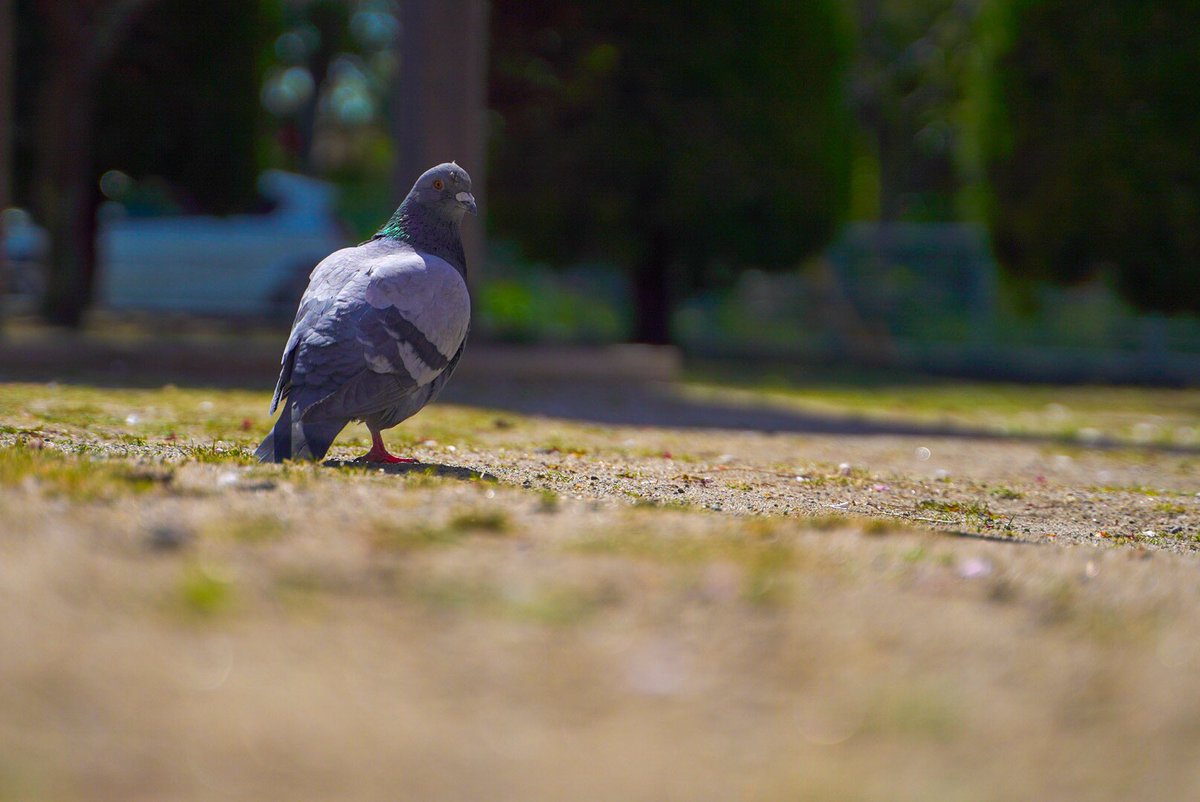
(660, 446)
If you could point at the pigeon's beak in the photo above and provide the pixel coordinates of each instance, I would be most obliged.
(468, 202)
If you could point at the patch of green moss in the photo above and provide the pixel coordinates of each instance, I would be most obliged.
(547, 605)
(217, 453)
(765, 580)
(548, 501)
(76, 477)
(386, 536)
(973, 512)
(763, 547)
(253, 529)
(492, 521)
(204, 593)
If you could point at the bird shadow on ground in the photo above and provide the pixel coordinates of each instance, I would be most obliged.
(412, 468)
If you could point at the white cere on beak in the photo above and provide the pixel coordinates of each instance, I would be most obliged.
(467, 201)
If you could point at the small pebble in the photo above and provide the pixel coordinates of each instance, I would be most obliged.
(974, 568)
(168, 538)
(256, 486)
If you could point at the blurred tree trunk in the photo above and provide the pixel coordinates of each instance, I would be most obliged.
(438, 108)
(329, 17)
(8, 22)
(652, 291)
(81, 37)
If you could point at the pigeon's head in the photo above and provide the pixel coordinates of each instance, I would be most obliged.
(444, 190)
(431, 215)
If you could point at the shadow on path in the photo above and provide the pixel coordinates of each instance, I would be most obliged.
(669, 406)
(616, 403)
(418, 468)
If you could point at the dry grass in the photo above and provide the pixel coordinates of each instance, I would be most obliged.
(178, 624)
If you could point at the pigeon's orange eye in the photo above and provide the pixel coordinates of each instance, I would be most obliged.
(437, 184)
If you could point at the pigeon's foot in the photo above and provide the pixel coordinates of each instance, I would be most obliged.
(379, 453)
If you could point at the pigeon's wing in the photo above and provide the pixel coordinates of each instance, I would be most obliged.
(419, 314)
(394, 329)
(326, 283)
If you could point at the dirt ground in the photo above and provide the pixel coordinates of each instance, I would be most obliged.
(689, 592)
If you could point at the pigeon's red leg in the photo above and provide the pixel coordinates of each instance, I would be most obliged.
(379, 452)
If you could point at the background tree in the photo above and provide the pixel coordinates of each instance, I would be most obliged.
(76, 40)
(8, 20)
(683, 140)
(438, 103)
(1088, 137)
(907, 87)
(171, 108)
(162, 88)
(329, 21)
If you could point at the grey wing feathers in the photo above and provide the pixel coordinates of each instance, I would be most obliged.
(420, 311)
(371, 331)
(412, 402)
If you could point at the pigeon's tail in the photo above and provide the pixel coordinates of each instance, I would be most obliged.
(294, 438)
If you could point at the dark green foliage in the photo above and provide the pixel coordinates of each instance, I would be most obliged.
(679, 139)
(152, 88)
(181, 100)
(178, 99)
(907, 89)
(1090, 139)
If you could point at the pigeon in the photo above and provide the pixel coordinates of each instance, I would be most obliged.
(380, 327)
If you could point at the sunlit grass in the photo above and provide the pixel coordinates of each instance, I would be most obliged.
(204, 592)
(547, 604)
(75, 477)
(387, 536)
(168, 413)
(252, 529)
(1088, 414)
(495, 521)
